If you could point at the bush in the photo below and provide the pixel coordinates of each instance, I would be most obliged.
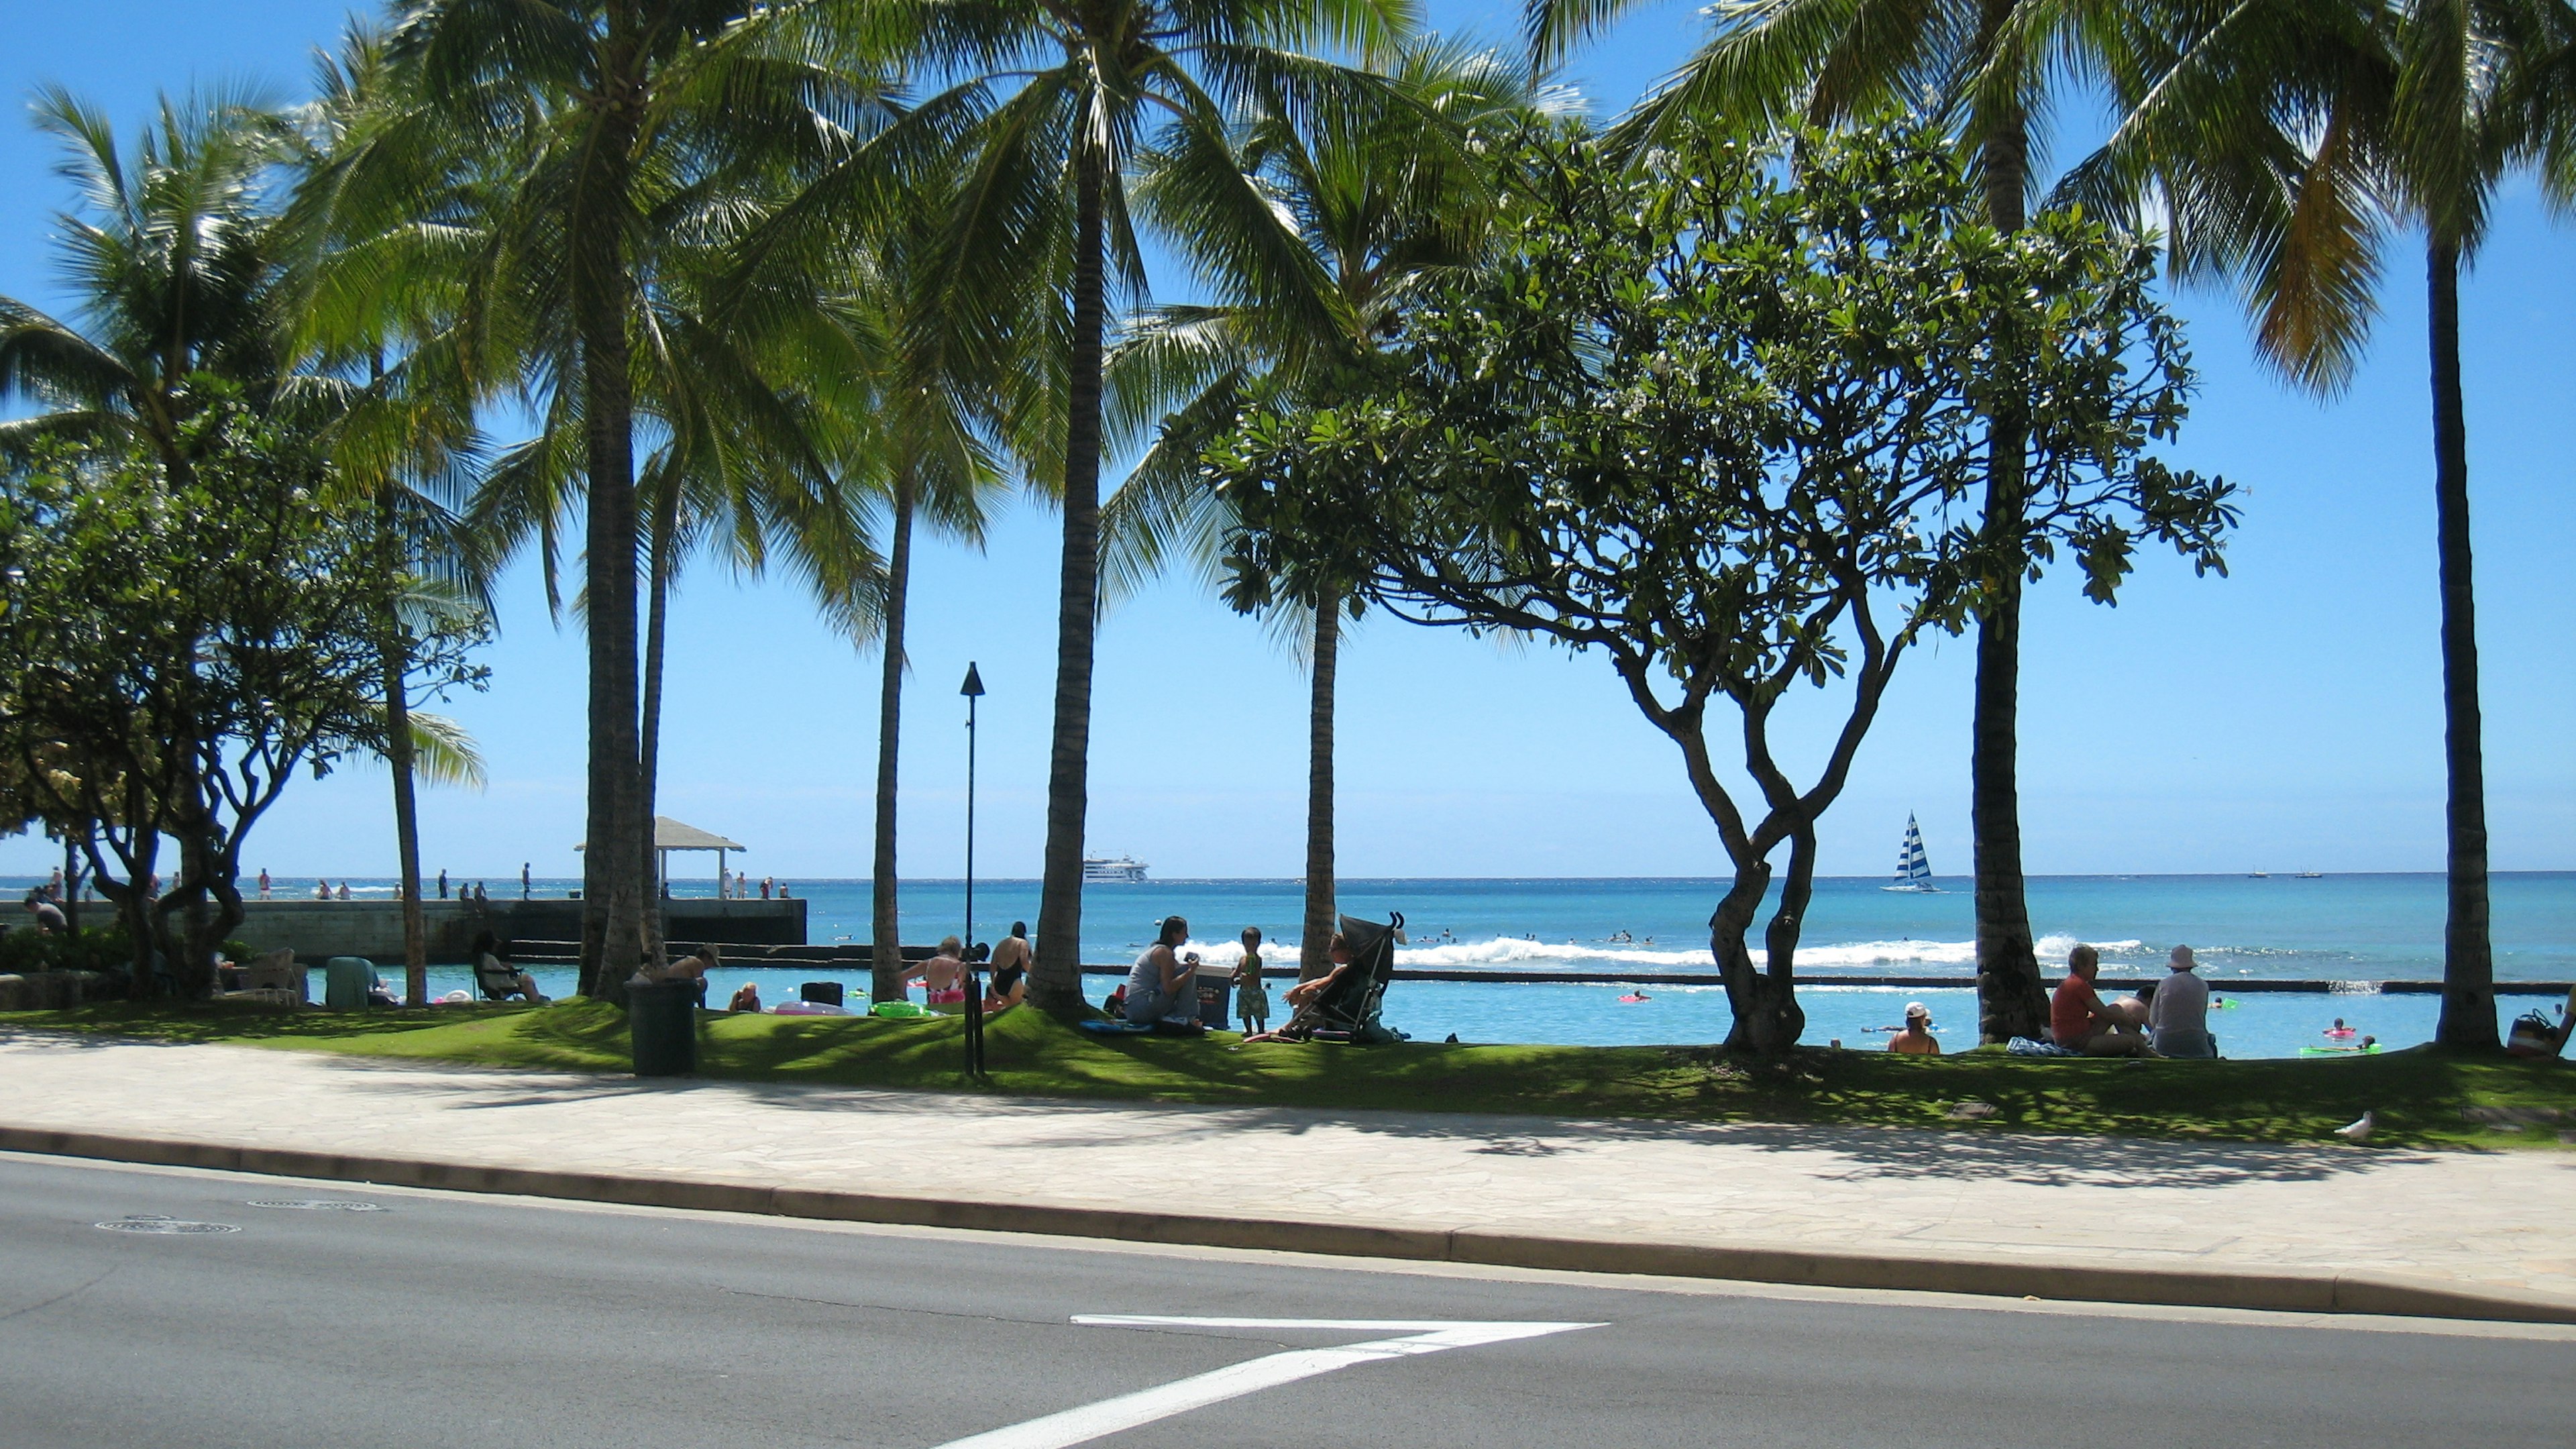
(25, 950)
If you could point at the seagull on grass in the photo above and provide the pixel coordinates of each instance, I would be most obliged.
(2358, 1132)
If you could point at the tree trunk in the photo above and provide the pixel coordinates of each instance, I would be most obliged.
(2468, 954)
(2011, 1001)
(648, 769)
(71, 883)
(396, 658)
(1056, 981)
(1767, 1016)
(885, 919)
(612, 944)
(1314, 950)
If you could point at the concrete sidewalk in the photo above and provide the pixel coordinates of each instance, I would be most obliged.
(2246, 1225)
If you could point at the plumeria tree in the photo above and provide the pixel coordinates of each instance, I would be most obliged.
(1717, 417)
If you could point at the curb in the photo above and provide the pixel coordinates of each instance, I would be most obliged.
(2287, 1291)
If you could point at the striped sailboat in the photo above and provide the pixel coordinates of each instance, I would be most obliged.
(1913, 872)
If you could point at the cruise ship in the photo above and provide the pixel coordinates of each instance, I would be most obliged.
(1125, 870)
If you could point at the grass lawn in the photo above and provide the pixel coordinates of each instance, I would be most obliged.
(2418, 1094)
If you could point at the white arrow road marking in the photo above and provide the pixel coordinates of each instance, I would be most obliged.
(1094, 1421)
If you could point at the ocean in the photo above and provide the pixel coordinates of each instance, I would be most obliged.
(2355, 930)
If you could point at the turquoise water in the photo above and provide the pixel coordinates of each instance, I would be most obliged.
(2354, 929)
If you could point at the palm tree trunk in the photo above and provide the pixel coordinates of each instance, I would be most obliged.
(1314, 950)
(2011, 1001)
(885, 920)
(398, 754)
(2468, 954)
(395, 656)
(648, 771)
(1056, 981)
(611, 941)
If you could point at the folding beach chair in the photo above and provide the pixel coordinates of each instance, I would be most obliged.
(1347, 1011)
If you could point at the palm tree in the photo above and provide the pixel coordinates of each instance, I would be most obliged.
(626, 130)
(938, 397)
(1046, 106)
(1987, 66)
(1370, 197)
(173, 260)
(403, 436)
(2288, 140)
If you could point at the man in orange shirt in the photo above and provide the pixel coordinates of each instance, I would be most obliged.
(2081, 1022)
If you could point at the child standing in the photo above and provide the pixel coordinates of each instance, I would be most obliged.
(1251, 1001)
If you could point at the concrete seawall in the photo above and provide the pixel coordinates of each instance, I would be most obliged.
(315, 930)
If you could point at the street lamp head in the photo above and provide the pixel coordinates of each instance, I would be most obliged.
(974, 685)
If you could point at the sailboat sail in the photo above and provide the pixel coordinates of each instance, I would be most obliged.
(1913, 871)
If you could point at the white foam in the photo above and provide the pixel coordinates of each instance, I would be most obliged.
(1504, 953)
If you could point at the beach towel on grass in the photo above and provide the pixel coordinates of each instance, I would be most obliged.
(1116, 1028)
(2022, 1046)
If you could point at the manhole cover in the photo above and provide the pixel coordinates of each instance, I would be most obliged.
(163, 1225)
(325, 1205)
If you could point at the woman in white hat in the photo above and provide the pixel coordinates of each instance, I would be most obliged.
(1916, 1040)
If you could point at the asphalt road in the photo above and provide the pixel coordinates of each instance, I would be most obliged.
(453, 1320)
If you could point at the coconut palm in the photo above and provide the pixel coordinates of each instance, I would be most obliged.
(1045, 107)
(172, 260)
(938, 398)
(2288, 141)
(627, 132)
(403, 433)
(1369, 197)
(1992, 69)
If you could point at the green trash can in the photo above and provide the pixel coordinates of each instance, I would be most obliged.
(662, 1028)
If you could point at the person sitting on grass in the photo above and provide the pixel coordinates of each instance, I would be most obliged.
(1160, 986)
(1915, 1039)
(50, 920)
(2080, 1021)
(691, 969)
(1010, 970)
(2179, 1015)
(943, 977)
(498, 978)
(1303, 996)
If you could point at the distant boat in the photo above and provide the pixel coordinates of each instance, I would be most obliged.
(2258, 875)
(1125, 870)
(2311, 875)
(1913, 872)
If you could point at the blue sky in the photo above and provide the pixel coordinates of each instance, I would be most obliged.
(2287, 717)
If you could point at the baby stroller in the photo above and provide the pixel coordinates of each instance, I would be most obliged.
(1347, 1010)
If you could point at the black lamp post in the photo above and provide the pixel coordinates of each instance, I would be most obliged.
(973, 689)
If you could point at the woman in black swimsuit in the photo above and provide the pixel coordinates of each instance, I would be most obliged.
(1010, 970)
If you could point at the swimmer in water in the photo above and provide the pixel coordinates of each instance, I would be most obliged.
(2338, 1029)
(1638, 994)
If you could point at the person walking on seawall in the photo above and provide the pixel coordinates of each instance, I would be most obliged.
(1916, 1038)
(442, 882)
(263, 882)
(1160, 987)
(764, 887)
(528, 883)
(2081, 1022)
(321, 890)
(2178, 1016)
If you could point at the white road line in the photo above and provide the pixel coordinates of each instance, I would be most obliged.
(1094, 1421)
